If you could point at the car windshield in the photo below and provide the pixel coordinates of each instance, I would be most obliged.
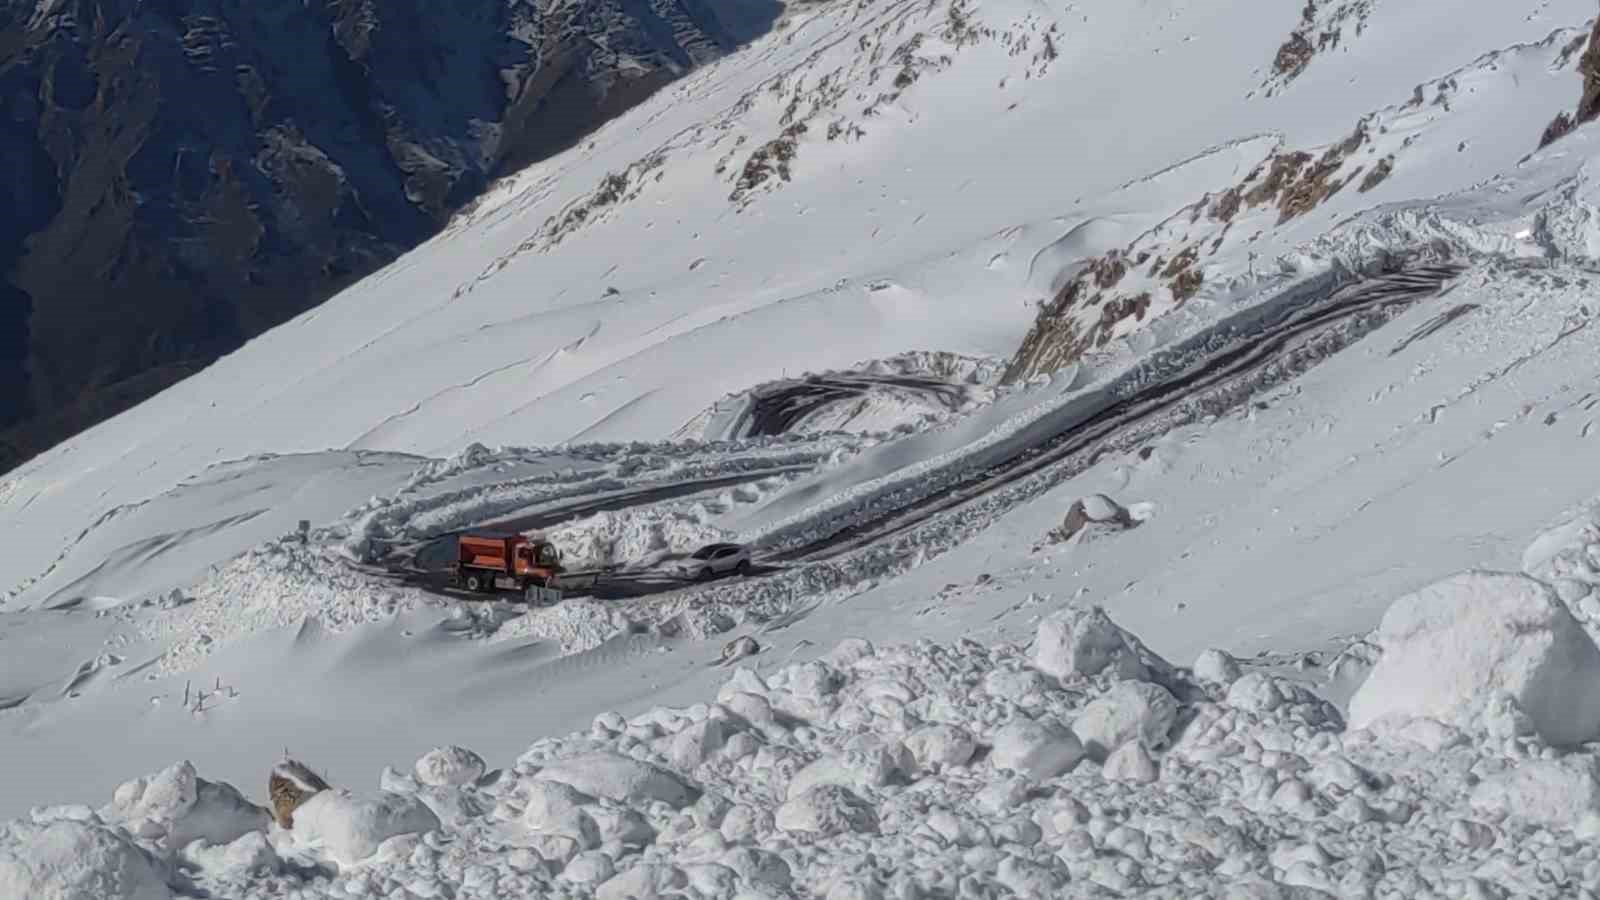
(704, 552)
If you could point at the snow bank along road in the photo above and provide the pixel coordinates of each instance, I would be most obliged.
(1206, 375)
(428, 564)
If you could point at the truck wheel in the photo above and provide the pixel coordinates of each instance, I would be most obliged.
(476, 583)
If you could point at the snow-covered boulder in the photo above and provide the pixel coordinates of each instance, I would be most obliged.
(1546, 791)
(176, 806)
(449, 767)
(938, 746)
(646, 881)
(1131, 710)
(291, 784)
(1453, 645)
(1083, 641)
(1216, 667)
(1568, 556)
(591, 867)
(827, 809)
(1131, 762)
(249, 856)
(861, 768)
(696, 743)
(73, 860)
(1257, 692)
(349, 829)
(1040, 750)
(555, 808)
(1092, 514)
(620, 778)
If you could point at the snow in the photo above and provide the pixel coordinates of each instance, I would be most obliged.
(349, 829)
(449, 767)
(1130, 712)
(619, 778)
(68, 859)
(1274, 796)
(1551, 792)
(175, 807)
(992, 724)
(1453, 646)
(1216, 667)
(1035, 749)
(1081, 642)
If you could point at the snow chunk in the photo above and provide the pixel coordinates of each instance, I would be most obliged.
(556, 808)
(247, 856)
(938, 746)
(350, 829)
(1546, 791)
(1216, 667)
(176, 806)
(1131, 710)
(72, 860)
(1037, 749)
(646, 881)
(1256, 692)
(1453, 645)
(449, 767)
(872, 764)
(1084, 641)
(622, 779)
(1131, 762)
(827, 809)
(695, 744)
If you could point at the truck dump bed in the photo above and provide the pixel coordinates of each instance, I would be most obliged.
(488, 551)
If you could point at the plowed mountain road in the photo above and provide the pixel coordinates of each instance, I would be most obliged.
(1210, 374)
(1207, 375)
(777, 409)
(426, 564)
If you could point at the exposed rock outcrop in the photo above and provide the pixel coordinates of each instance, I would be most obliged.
(181, 177)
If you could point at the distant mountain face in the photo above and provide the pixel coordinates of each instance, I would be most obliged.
(180, 175)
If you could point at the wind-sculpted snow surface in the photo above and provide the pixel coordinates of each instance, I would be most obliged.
(911, 770)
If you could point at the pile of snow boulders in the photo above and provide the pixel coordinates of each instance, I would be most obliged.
(1079, 765)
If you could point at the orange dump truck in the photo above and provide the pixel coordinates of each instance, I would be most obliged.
(487, 562)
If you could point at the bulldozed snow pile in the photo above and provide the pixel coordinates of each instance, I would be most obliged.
(1079, 764)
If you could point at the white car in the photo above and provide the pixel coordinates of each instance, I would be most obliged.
(716, 559)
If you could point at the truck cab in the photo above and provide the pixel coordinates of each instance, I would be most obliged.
(538, 558)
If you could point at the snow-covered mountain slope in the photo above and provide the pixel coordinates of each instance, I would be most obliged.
(1336, 398)
(871, 179)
